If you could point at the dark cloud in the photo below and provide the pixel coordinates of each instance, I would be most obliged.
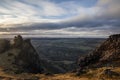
(102, 18)
(79, 24)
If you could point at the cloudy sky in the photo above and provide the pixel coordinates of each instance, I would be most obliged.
(59, 18)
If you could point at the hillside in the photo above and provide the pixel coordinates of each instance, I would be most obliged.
(92, 74)
(19, 56)
(20, 61)
(106, 55)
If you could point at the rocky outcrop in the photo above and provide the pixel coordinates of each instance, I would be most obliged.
(18, 41)
(107, 54)
(19, 56)
(4, 45)
(27, 59)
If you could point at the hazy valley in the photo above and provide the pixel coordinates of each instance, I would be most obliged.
(60, 58)
(64, 52)
(59, 39)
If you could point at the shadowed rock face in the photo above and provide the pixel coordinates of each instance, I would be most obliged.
(20, 56)
(18, 41)
(107, 54)
(27, 59)
(4, 45)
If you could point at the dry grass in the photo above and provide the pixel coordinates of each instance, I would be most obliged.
(68, 76)
(98, 74)
(95, 74)
(23, 76)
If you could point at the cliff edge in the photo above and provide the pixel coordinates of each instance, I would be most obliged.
(106, 55)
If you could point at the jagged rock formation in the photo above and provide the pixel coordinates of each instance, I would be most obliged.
(19, 56)
(107, 54)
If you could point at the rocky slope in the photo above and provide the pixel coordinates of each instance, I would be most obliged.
(18, 55)
(106, 55)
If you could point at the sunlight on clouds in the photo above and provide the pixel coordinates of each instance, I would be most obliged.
(18, 12)
(12, 33)
(49, 18)
(1, 33)
(51, 9)
(8, 19)
(26, 12)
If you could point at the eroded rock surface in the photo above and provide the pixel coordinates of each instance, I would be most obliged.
(107, 54)
(19, 56)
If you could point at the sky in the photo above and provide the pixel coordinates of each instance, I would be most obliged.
(59, 18)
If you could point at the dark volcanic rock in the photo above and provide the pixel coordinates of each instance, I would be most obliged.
(107, 54)
(4, 45)
(18, 41)
(27, 59)
(20, 57)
